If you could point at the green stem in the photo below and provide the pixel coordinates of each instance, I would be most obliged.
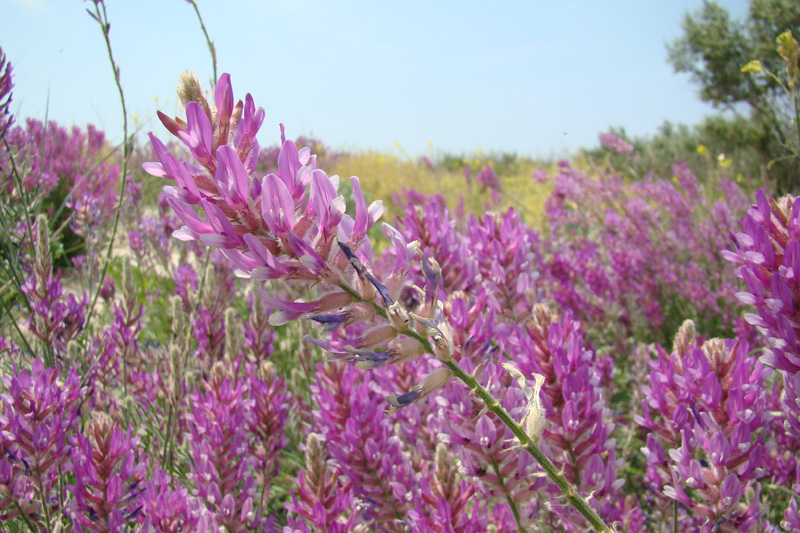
(675, 516)
(570, 493)
(511, 503)
(42, 495)
(19, 332)
(25, 517)
(102, 19)
(780, 489)
(22, 192)
(167, 439)
(211, 49)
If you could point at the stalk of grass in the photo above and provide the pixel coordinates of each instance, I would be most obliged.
(100, 15)
(211, 48)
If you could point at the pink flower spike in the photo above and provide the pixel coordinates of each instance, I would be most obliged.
(198, 134)
(231, 177)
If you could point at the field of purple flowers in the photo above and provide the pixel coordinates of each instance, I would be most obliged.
(253, 349)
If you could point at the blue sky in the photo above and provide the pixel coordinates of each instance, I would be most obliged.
(536, 78)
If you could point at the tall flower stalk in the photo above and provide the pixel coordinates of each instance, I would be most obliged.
(101, 17)
(768, 252)
(292, 225)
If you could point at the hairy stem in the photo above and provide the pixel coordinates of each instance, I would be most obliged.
(211, 49)
(511, 503)
(570, 493)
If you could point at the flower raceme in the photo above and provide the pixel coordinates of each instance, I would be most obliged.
(768, 252)
(292, 225)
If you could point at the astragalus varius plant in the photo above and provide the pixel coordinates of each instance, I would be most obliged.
(292, 226)
(193, 399)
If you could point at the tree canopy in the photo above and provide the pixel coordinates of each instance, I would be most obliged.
(713, 49)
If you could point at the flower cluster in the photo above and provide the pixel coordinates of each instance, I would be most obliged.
(615, 143)
(38, 412)
(292, 225)
(108, 477)
(236, 432)
(53, 157)
(577, 435)
(768, 250)
(6, 85)
(319, 497)
(705, 412)
(53, 320)
(641, 256)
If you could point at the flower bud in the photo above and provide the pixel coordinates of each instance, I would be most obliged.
(176, 308)
(128, 283)
(267, 371)
(685, 339)
(398, 316)
(232, 335)
(190, 89)
(43, 241)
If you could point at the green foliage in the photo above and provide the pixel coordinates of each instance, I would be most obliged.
(718, 147)
(714, 48)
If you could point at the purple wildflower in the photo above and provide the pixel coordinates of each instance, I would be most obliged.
(768, 251)
(615, 143)
(319, 497)
(168, 507)
(221, 470)
(704, 407)
(6, 85)
(108, 477)
(39, 412)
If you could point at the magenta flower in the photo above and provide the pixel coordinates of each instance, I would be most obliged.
(319, 498)
(768, 251)
(108, 476)
(39, 412)
(617, 144)
(705, 409)
(168, 507)
(6, 85)
(222, 473)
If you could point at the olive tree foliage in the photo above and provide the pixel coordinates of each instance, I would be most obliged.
(713, 49)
